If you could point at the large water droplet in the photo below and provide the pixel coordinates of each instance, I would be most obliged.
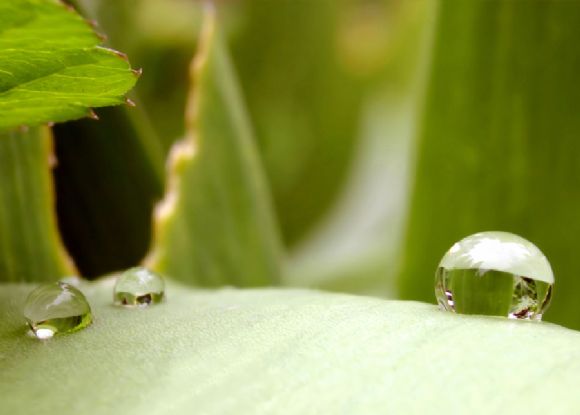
(495, 273)
(139, 287)
(56, 308)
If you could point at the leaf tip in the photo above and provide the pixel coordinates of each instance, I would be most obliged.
(69, 7)
(120, 54)
(93, 23)
(102, 37)
(93, 115)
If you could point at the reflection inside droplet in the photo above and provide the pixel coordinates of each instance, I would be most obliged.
(495, 273)
(56, 308)
(139, 287)
(44, 333)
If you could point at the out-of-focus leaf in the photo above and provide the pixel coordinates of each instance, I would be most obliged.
(307, 114)
(215, 225)
(357, 243)
(51, 67)
(109, 176)
(302, 100)
(284, 352)
(354, 247)
(499, 146)
(30, 248)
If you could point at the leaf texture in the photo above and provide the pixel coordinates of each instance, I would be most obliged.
(51, 67)
(268, 351)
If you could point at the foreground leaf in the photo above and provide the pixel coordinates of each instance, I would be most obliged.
(30, 248)
(215, 225)
(284, 352)
(499, 143)
(51, 68)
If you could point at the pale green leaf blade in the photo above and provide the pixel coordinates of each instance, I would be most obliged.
(215, 225)
(498, 145)
(284, 352)
(30, 246)
(51, 67)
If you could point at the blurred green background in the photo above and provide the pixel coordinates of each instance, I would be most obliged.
(387, 129)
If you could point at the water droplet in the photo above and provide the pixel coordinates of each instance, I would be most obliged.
(495, 273)
(139, 287)
(56, 308)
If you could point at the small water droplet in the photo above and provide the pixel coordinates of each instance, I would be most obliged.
(56, 308)
(495, 273)
(139, 287)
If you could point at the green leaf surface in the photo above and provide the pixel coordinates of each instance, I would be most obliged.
(274, 351)
(30, 247)
(51, 67)
(499, 148)
(215, 225)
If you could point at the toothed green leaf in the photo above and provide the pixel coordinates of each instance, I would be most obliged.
(52, 67)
